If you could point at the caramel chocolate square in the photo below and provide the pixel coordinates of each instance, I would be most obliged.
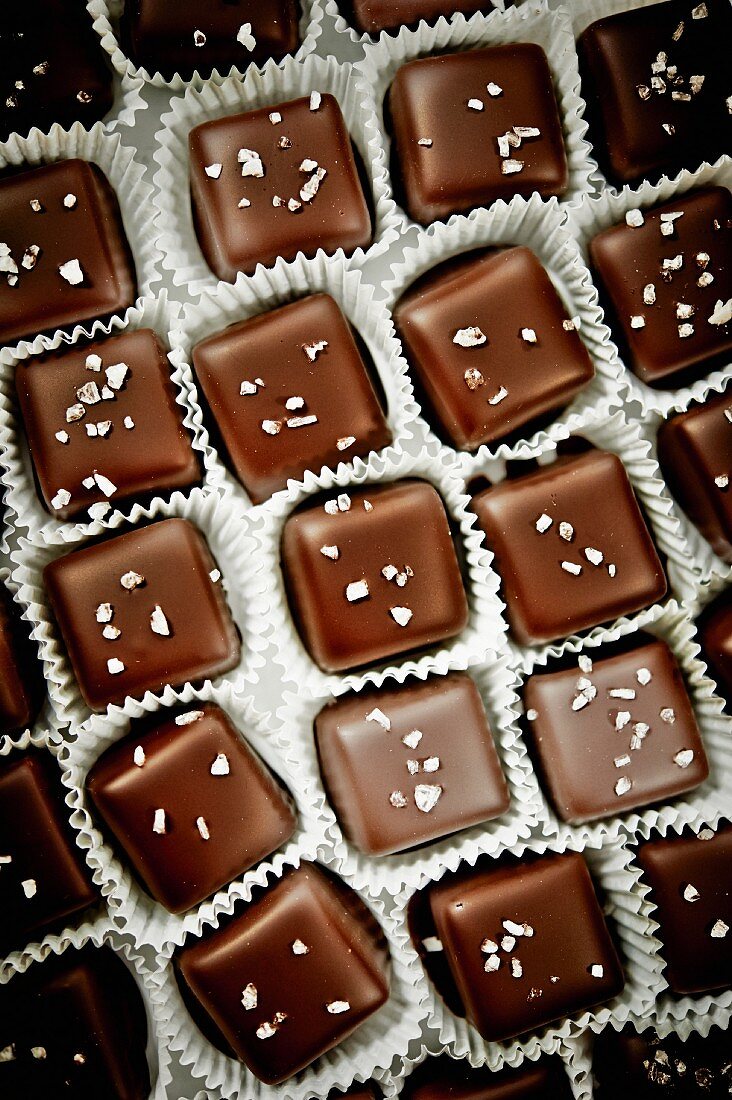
(104, 409)
(491, 345)
(373, 16)
(438, 1078)
(190, 805)
(142, 610)
(571, 546)
(275, 182)
(21, 683)
(473, 127)
(289, 391)
(646, 1066)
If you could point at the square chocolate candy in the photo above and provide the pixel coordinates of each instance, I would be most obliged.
(290, 976)
(715, 635)
(276, 182)
(103, 425)
(645, 1066)
(473, 127)
(372, 573)
(374, 16)
(64, 257)
(571, 546)
(289, 391)
(21, 683)
(189, 805)
(445, 1077)
(408, 765)
(614, 733)
(491, 345)
(666, 274)
(690, 878)
(142, 610)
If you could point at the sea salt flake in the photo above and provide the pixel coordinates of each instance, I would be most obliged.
(634, 218)
(686, 330)
(492, 964)
(243, 204)
(104, 613)
(668, 715)
(622, 693)
(511, 167)
(543, 523)
(315, 100)
(61, 499)
(699, 12)
(684, 758)
(673, 263)
(397, 800)
(566, 531)
(331, 552)
(199, 39)
(584, 663)
(401, 615)
(722, 481)
(637, 321)
(579, 702)
(622, 786)
(527, 132)
(471, 337)
(251, 163)
(159, 822)
(116, 375)
(138, 756)
(722, 313)
(214, 170)
(111, 633)
(621, 761)
(489, 946)
(412, 739)
(595, 557)
(570, 567)
(691, 894)
(425, 142)
(220, 765)
(245, 37)
(188, 718)
(337, 1007)
(357, 590)
(299, 948)
(426, 796)
(131, 580)
(431, 764)
(377, 715)
(313, 350)
(494, 89)
(412, 766)
(475, 104)
(71, 271)
(705, 279)
(528, 335)
(597, 970)
(345, 442)
(499, 396)
(719, 930)
(249, 997)
(203, 828)
(115, 666)
(517, 970)
(158, 622)
(30, 890)
(643, 676)
(649, 294)
(266, 1031)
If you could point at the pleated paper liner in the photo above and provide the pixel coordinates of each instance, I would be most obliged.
(337, 10)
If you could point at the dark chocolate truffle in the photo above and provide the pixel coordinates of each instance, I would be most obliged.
(190, 805)
(21, 686)
(298, 367)
(372, 573)
(373, 16)
(473, 127)
(646, 1067)
(656, 80)
(411, 764)
(140, 611)
(715, 635)
(64, 257)
(449, 1079)
(567, 563)
(667, 278)
(275, 182)
(491, 345)
(291, 976)
(615, 733)
(103, 425)
(691, 886)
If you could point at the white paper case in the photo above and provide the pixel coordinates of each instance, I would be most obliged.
(334, 10)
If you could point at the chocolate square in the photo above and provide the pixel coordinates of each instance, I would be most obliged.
(108, 409)
(190, 805)
(297, 367)
(615, 733)
(491, 345)
(656, 79)
(690, 877)
(454, 120)
(438, 1078)
(142, 610)
(373, 16)
(44, 878)
(21, 683)
(409, 765)
(645, 1066)
(526, 943)
(567, 564)
(715, 635)
(275, 182)
(291, 975)
(372, 573)
(64, 257)
(668, 290)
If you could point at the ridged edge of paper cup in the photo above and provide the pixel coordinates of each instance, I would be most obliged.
(363, 38)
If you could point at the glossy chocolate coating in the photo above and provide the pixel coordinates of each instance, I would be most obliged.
(90, 232)
(382, 789)
(629, 261)
(501, 294)
(44, 880)
(647, 1067)
(400, 527)
(235, 239)
(187, 37)
(74, 1026)
(373, 16)
(630, 102)
(175, 562)
(53, 67)
(715, 635)
(580, 730)
(246, 813)
(544, 600)
(461, 168)
(252, 975)
(358, 1092)
(696, 933)
(277, 349)
(21, 685)
(695, 454)
(153, 456)
(555, 897)
(449, 1079)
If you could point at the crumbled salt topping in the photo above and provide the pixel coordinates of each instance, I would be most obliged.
(357, 590)
(71, 271)
(138, 756)
(159, 822)
(378, 716)
(471, 337)
(189, 717)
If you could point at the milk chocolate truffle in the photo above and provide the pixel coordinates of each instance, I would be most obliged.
(473, 127)
(666, 274)
(372, 573)
(103, 425)
(45, 881)
(142, 610)
(373, 16)
(695, 454)
(74, 1026)
(616, 733)
(411, 764)
(302, 400)
(21, 685)
(715, 635)
(647, 1067)
(275, 182)
(656, 81)
(571, 546)
(691, 886)
(53, 65)
(64, 257)
(491, 345)
(526, 943)
(189, 805)
(443, 1078)
(291, 976)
